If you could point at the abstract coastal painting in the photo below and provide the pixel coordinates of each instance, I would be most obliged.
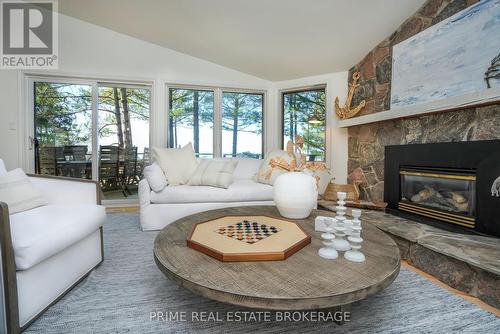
(449, 59)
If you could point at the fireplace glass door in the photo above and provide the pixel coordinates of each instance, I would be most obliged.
(441, 195)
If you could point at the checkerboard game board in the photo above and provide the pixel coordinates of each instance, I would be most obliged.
(248, 231)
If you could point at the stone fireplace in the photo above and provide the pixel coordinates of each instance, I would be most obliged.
(446, 184)
(367, 142)
(422, 186)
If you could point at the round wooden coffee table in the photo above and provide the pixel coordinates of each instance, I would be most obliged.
(304, 281)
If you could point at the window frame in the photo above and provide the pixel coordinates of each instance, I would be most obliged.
(282, 92)
(217, 130)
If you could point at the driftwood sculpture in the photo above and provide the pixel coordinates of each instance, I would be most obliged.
(493, 72)
(346, 111)
(297, 160)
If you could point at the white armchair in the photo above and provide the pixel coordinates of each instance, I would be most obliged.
(48, 250)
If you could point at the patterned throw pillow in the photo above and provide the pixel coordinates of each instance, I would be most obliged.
(17, 191)
(270, 170)
(215, 173)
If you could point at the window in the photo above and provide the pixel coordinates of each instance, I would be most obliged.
(304, 114)
(242, 124)
(191, 119)
(218, 122)
(109, 143)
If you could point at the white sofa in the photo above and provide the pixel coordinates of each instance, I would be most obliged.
(48, 250)
(174, 202)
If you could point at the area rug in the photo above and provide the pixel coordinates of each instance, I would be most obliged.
(127, 290)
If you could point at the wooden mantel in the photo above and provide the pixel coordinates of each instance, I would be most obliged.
(490, 96)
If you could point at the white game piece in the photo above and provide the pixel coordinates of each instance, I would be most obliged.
(340, 244)
(354, 254)
(356, 213)
(328, 252)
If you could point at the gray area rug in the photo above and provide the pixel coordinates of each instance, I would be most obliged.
(120, 294)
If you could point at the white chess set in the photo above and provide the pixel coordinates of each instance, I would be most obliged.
(341, 234)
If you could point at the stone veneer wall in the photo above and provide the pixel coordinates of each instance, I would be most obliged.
(366, 142)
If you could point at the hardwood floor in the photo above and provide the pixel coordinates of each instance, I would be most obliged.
(469, 298)
(124, 209)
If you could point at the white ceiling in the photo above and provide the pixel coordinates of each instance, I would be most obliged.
(272, 39)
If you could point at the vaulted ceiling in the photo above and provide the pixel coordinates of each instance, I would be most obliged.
(271, 39)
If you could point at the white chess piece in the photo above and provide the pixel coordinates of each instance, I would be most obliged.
(328, 252)
(356, 214)
(340, 244)
(355, 239)
(354, 254)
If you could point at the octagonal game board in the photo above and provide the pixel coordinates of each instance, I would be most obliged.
(248, 238)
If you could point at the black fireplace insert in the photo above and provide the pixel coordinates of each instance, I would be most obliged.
(451, 185)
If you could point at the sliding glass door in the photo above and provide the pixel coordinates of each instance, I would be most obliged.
(63, 129)
(123, 138)
(92, 130)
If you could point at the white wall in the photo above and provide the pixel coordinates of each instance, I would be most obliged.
(90, 51)
(336, 85)
(87, 50)
(9, 92)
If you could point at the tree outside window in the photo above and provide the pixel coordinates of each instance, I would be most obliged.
(191, 119)
(242, 124)
(304, 114)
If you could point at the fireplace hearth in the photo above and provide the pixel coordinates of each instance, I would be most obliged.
(445, 184)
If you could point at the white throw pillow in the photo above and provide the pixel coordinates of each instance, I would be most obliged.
(213, 173)
(247, 168)
(17, 191)
(178, 164)
(323, 177)
(155, 177)
(267, 174)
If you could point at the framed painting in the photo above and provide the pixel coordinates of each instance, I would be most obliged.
(456, 60)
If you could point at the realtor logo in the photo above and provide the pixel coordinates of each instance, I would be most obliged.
(29, 35)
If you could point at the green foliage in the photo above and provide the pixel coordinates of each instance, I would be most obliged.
(63, 113)
(246, 109)
(241, 112)
(181, 109)
(193, 110)
(138, 102)
(190, 109)
(247, 154)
